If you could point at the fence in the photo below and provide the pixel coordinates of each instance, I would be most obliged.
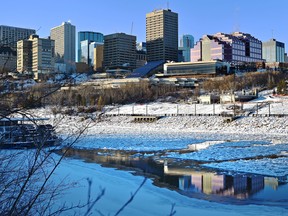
(168, 109)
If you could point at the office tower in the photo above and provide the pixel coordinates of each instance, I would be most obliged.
(119, 51)
(36, 55)
(273, 51)
(87, 51)
(186, 43)
(235, 48)
(91, 37)
(65, 40)
(285, 58)
(141, 46)
(141, 54)
(24, 56)
(9, 35)
(98, 58)
(162, 35)
(8, 59)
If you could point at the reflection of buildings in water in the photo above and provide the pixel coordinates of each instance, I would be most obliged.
(239, 186)
(271, 182)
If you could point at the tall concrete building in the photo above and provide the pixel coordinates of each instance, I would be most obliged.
(24, 56)
(91, 37)
(119, 51)
(36, 55)
(162, 35)
(65, 43)
(273, 51)
(9, 35)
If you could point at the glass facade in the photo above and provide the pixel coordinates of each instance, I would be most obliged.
(84, 51)
(196, 68)
(91, 37)
(186, 43)
(91, 52)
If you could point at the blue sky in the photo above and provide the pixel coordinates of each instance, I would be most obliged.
(262, 19)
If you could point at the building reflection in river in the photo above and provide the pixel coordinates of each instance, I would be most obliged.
(188, 180)
(238, 186)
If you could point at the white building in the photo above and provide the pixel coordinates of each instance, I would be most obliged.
(36, 55)
(273, 51)
(65, 40)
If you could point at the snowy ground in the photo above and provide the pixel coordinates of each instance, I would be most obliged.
(262, 140)
(249, 144)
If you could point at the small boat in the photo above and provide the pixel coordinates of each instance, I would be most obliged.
(18, 133)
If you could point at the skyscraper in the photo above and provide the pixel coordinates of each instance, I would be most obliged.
(162, 35)
(65, 42)
(119, 51)
(91, 37)
(9, 35)
(87, 51)
(186, 43)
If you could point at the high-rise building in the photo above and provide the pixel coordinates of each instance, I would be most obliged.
(84, 47)
(91, 37)
(141, 46)
(8, 59)
(24, 56)
(9, 35)
(119, 51)
(162, 35)
(98, 58)
(233, 48)
(36, 55)
(65, 42)
(285, 58)
(273, 51)
(87, 51)
(186, 43)
(141, 54)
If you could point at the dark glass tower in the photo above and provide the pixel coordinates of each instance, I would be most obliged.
(91, 37)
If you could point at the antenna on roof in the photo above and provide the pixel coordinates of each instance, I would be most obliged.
(167, 5)
(131, 28)
(236, 27)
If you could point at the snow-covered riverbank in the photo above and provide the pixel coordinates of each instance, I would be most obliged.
(215, 127)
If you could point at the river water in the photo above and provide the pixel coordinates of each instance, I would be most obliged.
(189, 179)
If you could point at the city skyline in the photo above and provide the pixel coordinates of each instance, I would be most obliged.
(128, 16)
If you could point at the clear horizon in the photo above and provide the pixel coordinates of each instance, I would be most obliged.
(260, 19)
